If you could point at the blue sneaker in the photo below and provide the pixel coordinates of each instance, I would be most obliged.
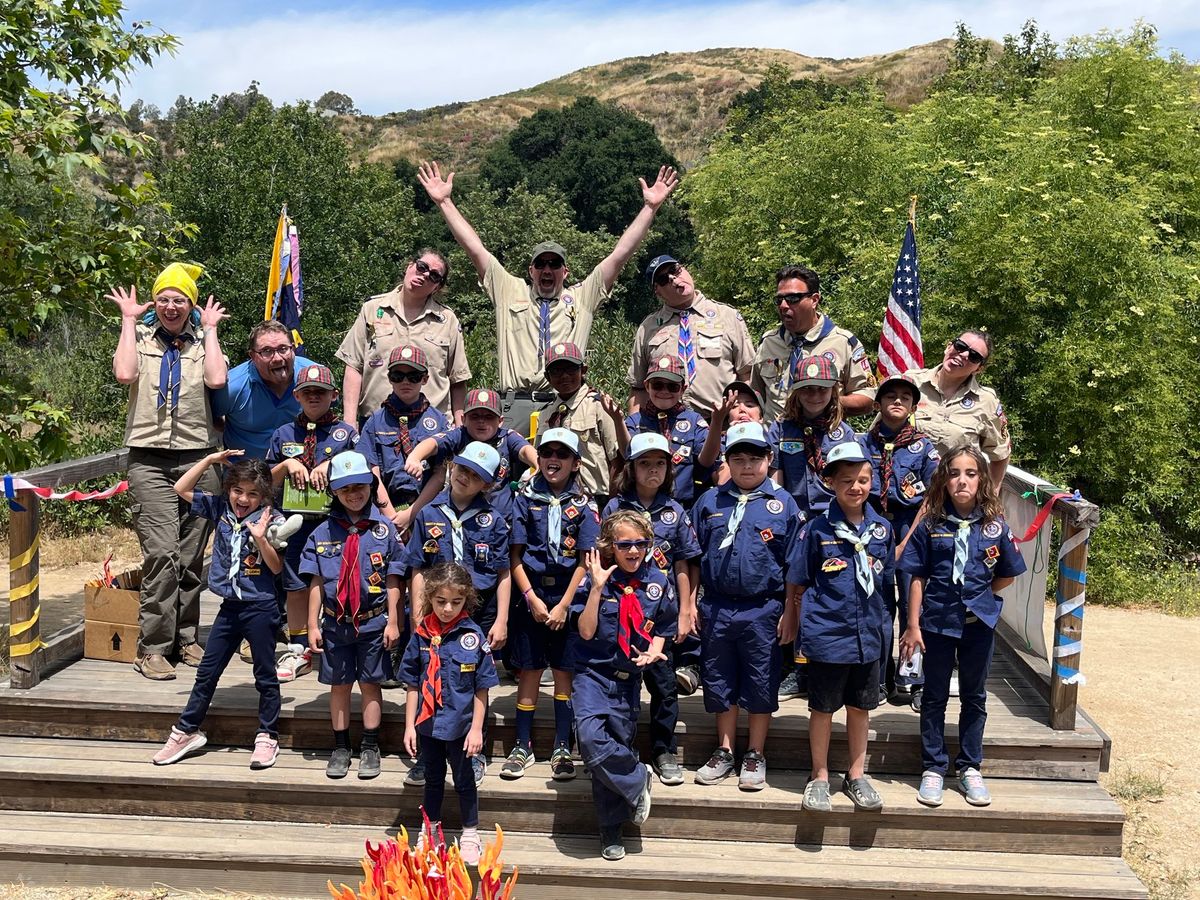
(930, 792)
(970, 782)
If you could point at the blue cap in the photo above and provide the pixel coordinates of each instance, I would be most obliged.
(751, 433)
(657, 263)
(349, 467)
(850, 451)
(481, 459)
(645, 442)
(563, 436)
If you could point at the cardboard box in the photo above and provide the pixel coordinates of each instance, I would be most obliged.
(116, 605)
(110, 641)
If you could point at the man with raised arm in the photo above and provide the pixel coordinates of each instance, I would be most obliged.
(532, 317)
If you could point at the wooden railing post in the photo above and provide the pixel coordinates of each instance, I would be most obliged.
(1068, 626)
(24, 608)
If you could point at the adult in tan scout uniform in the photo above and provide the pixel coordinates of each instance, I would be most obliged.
(168, 356)
(805, 331)
(709, 337)
(407, 314)
(955, 409)
(530, 318)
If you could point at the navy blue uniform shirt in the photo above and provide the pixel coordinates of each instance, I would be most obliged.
(804, 484)
(253, 580)
(508, 444)
(380, 444)
(754, 564)
(687, 433)
(912, 471)
(288, 441)
(466, 667)
(658, 606)
(379, 555)
(991, 553)
(839, 622)
(531, 529)
(484, 540)
(674, 536)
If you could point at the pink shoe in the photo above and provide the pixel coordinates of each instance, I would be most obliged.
(266, 748)
(179, 745)
(470, 847)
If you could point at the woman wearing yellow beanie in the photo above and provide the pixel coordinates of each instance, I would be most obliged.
(169, 355)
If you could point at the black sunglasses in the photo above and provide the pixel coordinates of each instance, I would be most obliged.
(658, 384)
(410, 377)
(961, 346)
(427, 271)
(631, 545)
(793, 299)
(666, 273)
(555, 453)
(548, 262)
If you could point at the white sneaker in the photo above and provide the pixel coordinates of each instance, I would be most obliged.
(954, 683)
(292, 665)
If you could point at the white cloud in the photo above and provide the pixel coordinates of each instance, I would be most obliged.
(407, 58)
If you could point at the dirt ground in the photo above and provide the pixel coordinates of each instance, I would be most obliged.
(1139, 664)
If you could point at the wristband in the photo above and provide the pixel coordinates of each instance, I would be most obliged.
(525, 593)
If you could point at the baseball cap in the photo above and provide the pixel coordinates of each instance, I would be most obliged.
(315, 376)
(482, 398)
(563, 436)
(744, 387)
(408, 355)
(848, 451)
(548, 247)
(669, 368)
(817, 370)
(564, 352)
(899, 379)
(349, 467)
(751, 433)
(657, 263)
(645, 442)
(480, 458)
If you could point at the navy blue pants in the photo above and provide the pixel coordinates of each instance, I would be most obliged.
(237, 620)
(606, 714)
(437, 753)
(973, 652)
(664, 704)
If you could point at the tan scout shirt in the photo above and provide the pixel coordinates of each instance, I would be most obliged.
(147, 425)
(773, 379)
(381, 327)
(721, 343)
(597, 437)
(973, 415)
(519, 323)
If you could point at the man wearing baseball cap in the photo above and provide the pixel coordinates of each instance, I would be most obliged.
(532, 317)
(709, 337)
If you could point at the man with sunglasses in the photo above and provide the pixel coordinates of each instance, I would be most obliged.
(805, 331)
(407, 314)
(709, 337)
(533, 317)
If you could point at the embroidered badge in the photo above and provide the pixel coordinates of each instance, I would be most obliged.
(481, 552)
(340, 434)
(991, 561)
(967, 402)
(430, 547)
(467, 667)
(837, 433)
(829, 355)
(664, 362)
(377, 560)
(484, 519)
(993, 552)
(484, 396)
(380, 531)
(833, 564)
(569, 542)
(813, 370)
(374, 578)
(878, 530)
(560, 348)
(251, 560)
(653, 591)
(571, 512)
(660, 559)
(683, 426)
(406, 353)
(429, 423)
(775, 507)
(767, 535)
(712, 314)
(669, 517)
(791, 446)
(435, 531)
(992, 530)
(877, 566)
(469, 640)
(291, 451)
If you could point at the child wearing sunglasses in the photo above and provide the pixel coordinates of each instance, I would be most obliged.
(554, 522)
(394, 430)
(685, 429)
(644, 486)
(628, 614)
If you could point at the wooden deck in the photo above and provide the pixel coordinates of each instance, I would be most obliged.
(80, 803)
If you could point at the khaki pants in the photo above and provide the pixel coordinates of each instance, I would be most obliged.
(173, 544)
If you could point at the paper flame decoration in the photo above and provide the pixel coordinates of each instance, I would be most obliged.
(431, 871)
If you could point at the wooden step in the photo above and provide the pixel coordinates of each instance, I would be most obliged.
(93, 777)
(110, 701)
(296, 860)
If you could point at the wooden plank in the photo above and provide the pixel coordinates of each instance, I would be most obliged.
(72, 470)
(24, 608)
(1068, 629)
(1080, 513)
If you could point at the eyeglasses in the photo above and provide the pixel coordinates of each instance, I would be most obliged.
(427, 271)
(554, 453)
(632, 545)
(961, 346)
(666, 273)
(548, 262)
(172, 301)
(793, 299)
(268, 352)
(672, 387)
(410, 377)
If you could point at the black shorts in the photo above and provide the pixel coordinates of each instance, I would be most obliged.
(834, 685)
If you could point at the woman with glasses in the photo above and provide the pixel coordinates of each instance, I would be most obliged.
(170, 357)
(407, 314)
(955, 409)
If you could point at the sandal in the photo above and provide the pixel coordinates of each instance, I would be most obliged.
(860, 791)
(816, 796)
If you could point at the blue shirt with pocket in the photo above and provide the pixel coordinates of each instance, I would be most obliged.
(799, 478)
(508, 444)
(531, 529)
(485, 536)
(379, 555)
(237, 571)
(466, 667)
(659, 608)
(380, 444)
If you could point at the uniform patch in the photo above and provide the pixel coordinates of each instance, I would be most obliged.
(877, 566)
(838, 433)
(380, 531)
(916, 446)
(660, 559)
(374, 578)
(683, 426)
(481, 552)
(469, 641)
(767, 535)
(878, 530)
(654, 591)
(430, 547)
(991, 561)
(467, 667)
(791, 446)
(429, 423)
(436, 531)
(967, 402)
(813, 370)
(992, 530)
(291, 450)
(569, 542)
(774, 506)
(833, 564)
(571, 512)
(669, 517)
(829, 355)
(993, 552)
(484, 519)
(340, 434)
(860, 352)
(560, 348)
(377, 560)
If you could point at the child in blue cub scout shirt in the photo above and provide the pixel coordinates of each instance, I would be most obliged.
(553, 524)
(482, 422)
(448, 669)
(844, 555)
(628, 615)
(354, 564)
(740, 403)
(395, 430)
(685, 429)
(460, 527)
(299, 453)
(244, 566)
(745, 528)
(960, 555)
(811, 426)
(903, 461)
(644, 486)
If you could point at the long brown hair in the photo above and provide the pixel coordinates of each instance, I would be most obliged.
(447, 575)
(987, 500)
(626, 480)
(793, 411)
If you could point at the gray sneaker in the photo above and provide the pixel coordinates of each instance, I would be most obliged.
(478, 768)
(687, 680)
(339, 763)
(718, 768)
(667, 767)
(930, 792)
(789, 687)
(860, 791)
(612, 847)
(816, 796)
(970, 782)
(642, 812)
(416, 775)
(520, 759)
(368, 763)
(753, 776)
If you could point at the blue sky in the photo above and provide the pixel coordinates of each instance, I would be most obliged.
(394, 56)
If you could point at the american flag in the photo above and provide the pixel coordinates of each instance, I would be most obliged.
(900, 343)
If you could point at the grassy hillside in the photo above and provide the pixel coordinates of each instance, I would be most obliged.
(682, 94)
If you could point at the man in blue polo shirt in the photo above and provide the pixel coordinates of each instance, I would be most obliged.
(257, 397)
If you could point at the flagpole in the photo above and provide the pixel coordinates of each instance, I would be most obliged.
(912, 211)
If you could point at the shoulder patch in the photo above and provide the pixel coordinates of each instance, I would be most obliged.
(774, 506)
(653, 591)
(878, 530)
(992, 530)
(484, 519)
(380, 531)
(669, 517)
(683, 426)
(340, 434)
(469, 641)
(429, 423)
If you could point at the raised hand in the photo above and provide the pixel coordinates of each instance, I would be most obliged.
(725, 407)
(655, 194)
(127, 302)
(437, 187)
(644, 658)
(222, 456)
(598, 572)
(258, 529)
(611, 406)
(212, 313)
